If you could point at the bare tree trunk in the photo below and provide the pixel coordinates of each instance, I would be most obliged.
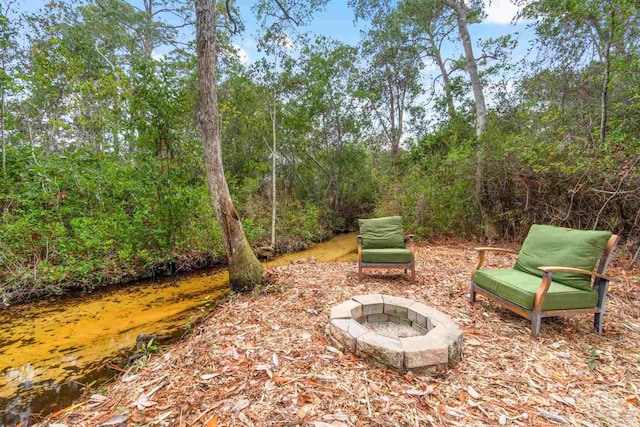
(393, 106)
(273, 176)
(147, 42)
(245, 271)
(603, 101)
(460, 10)
(115, 131)
(605, 83)
(4, 142)
(446, 82)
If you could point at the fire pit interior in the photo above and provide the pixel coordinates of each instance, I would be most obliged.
(395, 332)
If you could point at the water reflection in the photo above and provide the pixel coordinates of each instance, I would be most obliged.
(50, 349)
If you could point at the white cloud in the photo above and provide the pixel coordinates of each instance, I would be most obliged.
(160, 57)
(500, 11)
(242, 54)
(282, 40)
(287, 43)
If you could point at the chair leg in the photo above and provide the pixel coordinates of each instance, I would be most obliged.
(598, 322)
(536, 321)
(472, 292)
(598, 318)
(413, 274)
(360, 272)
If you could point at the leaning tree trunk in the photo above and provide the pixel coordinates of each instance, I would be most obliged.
(245, 271)
(446, 83)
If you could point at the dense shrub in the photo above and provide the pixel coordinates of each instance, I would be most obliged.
(83, 219)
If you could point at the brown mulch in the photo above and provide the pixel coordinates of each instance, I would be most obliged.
(264, 360)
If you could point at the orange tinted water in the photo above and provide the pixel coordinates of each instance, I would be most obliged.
(48, 343)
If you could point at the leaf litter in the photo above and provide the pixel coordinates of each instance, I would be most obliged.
(264, 359)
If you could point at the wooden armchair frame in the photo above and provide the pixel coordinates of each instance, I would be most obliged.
(406, 266)
(600, 284)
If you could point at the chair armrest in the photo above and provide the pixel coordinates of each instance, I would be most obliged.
(511, 251)
(546, 281)
(548, 269)
(541, 293)
(409, 242)
(481, 252)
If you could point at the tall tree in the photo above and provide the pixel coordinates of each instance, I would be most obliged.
(8, 52)
(574, 33)
(429, 26)
(464, 15)
(322, 124)
(390, 85)
(274, 44)
(461, 11)
(245, 271)
(162, 21)
(76, 69)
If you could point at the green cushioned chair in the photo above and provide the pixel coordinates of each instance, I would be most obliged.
(553, 275)
(381, 244)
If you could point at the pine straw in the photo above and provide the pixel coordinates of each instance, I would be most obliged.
(264, 360)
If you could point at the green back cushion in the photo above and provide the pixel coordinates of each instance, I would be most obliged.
(547, 245)
(382, 233)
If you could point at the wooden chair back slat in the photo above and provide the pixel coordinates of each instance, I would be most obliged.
(607, 255)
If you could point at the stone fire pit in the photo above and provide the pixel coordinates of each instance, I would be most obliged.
(395, 332)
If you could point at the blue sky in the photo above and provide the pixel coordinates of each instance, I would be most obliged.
(337, 21)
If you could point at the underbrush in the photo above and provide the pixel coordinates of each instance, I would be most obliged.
(525, 179)
(82, 220)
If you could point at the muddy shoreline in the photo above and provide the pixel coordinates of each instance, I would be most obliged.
(175, 268)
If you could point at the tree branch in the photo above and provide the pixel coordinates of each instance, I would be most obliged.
(235, 26)
(631, 166)
(286, 13)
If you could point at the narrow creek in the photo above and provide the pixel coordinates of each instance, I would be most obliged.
(50, 349)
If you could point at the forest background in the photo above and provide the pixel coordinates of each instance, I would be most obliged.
(102, 177)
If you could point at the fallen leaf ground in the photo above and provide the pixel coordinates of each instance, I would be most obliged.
(263, 359)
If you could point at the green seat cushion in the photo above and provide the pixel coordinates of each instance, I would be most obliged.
(382, 233)
(520, 288)
(547, 245)
(391, 256)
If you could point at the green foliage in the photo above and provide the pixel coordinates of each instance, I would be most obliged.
(148, 347)
(592, 356)
(546, 163)
(104, 180)
(82, 219)
(432, 187)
